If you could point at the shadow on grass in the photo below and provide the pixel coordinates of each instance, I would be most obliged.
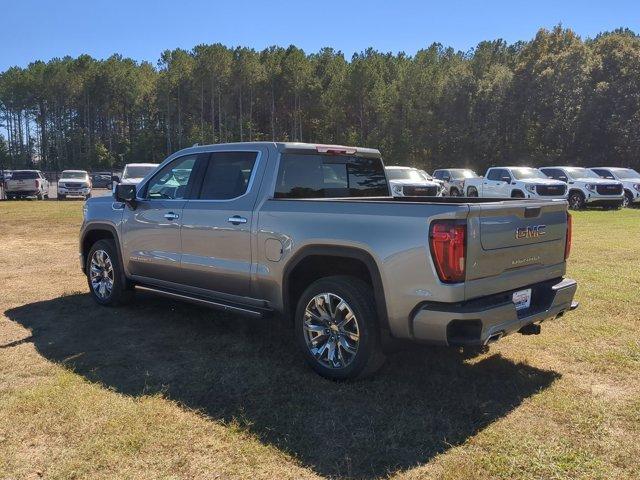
(423, 402)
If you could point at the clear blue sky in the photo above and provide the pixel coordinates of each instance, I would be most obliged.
(141, 29)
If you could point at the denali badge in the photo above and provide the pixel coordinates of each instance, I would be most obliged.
(533, 231)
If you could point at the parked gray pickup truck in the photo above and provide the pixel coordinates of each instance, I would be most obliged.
(312, 233)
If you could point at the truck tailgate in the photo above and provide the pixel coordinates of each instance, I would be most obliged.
(513, 244)
(21, 185)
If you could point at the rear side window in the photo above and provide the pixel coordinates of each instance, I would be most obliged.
(227, 175)
(24, 175)
(328, 176)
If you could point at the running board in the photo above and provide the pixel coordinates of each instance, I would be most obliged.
(216, 304)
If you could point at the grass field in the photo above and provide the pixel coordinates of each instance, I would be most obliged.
(168, 390)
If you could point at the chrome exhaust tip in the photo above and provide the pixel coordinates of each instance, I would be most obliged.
(494, 337)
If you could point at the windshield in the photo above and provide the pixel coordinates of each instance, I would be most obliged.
(404, 174)
(137, 171)
(524, 173)
(627, 173)
(577, 172)
(24, 175)
(461, 174)
(77, 175)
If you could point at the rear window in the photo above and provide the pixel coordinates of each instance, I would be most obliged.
(24, 175)
(328, 176)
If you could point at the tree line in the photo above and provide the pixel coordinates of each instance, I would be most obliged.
(554, 99)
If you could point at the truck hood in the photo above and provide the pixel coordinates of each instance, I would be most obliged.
(541, 181)
(131, 181)
(413, 183)
(597, 181)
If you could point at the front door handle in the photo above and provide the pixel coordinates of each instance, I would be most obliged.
(171, 216)
(237, 220)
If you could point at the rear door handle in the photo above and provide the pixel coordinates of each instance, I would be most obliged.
(171, 216)
(237, 220)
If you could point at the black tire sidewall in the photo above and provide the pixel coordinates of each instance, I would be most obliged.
(359, 296)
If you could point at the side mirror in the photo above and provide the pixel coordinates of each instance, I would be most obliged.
(125, 193)
(563, 179)
(506, 179)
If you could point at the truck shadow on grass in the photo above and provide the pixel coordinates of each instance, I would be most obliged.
(423, 402)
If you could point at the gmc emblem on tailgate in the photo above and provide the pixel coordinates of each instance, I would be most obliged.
(533, 231)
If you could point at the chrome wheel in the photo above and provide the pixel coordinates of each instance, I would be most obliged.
(575, 201)
(101, 274)
(331, 330)
(625, 201)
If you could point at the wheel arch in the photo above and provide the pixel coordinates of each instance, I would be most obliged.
(95, 232)
(517, 193)
(350, 261)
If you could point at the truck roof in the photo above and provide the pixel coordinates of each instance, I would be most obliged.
(289, 147)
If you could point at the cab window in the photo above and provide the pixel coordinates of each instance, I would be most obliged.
(227, 175)
(171, 182)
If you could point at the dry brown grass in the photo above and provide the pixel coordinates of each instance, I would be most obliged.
(167, 390)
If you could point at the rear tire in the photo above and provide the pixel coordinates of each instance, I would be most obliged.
(339, 343)
(576, 200)
(107, 282)
(62, 197)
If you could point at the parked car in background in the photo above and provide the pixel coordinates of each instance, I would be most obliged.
(310, 233)
(74, 183)
(515, 182)
(586, 188)
(630, 181)
(27, 183)
(428, 177)
(5, 175)
(101, 180)
(133, 173)
(409, 182)
(454, 179)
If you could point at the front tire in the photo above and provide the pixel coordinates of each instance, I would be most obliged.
(627, 200)
(337, 328)
(576, 201)
(107, 282)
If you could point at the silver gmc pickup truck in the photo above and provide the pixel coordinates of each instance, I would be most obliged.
(311, 233)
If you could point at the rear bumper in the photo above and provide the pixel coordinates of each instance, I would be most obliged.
(480, 321)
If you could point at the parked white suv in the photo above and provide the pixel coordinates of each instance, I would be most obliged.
(630, 181)
(410, 182)
(586, 188)
(133, 173)
(454, 179)
(515, 182)
(74, 183)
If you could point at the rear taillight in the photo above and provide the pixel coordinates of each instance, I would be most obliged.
(447, 240)
(37, 183)
(567, 245)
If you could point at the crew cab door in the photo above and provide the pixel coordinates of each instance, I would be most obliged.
(497, 183)
(216, 223)
(151, 227)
